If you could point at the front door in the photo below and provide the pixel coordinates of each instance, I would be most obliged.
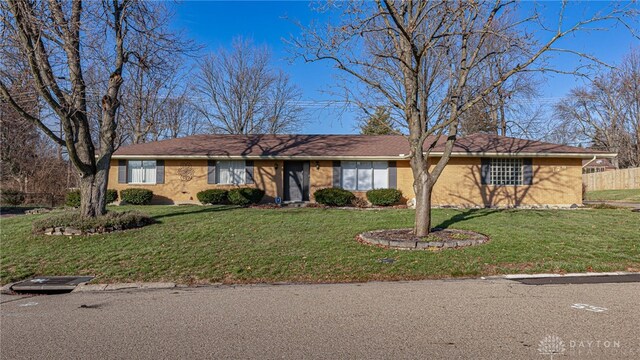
(296, 181)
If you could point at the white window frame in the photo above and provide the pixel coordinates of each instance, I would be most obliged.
(507, 171)
(227, 164)
(144, 173)
(375, 167)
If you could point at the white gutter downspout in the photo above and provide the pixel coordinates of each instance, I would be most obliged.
(590, 161)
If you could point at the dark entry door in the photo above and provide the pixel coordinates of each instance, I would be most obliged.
(296, 181)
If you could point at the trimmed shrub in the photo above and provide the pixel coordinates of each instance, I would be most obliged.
(136, 196)
(73, 197)
(113, 219)
(12, 197)
(245, 196)
(112, 195)
(384, 197)
(212, 196)
(334, 197)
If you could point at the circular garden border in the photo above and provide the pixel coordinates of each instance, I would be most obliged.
(403, 239)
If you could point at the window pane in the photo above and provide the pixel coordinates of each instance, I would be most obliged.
(380, 175)
(133, 171)
(231, 172)
(141, 172)
(223, 172)
(365, 175)
(349, 175)
(149, 171)
(506, 171)
(237, 170)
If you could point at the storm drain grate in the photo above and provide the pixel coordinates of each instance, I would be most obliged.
(50, 283)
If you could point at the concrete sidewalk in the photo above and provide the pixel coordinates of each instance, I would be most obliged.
(613, 203)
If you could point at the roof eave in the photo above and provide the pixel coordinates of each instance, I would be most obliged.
(397, 157)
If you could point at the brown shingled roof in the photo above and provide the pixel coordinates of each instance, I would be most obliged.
(335, 146)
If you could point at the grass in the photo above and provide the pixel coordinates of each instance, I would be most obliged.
(631, 195)
(194, 244)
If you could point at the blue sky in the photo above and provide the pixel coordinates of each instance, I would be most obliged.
(215, 23)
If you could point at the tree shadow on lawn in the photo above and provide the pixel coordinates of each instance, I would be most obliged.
(200, 210)
(476, 213)
(465, 215)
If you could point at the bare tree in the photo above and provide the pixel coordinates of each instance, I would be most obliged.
(606, 112)
(504, 110)
(29, 161)
(240, 93)
(154, 84)
(19, 139)
(179, 118)
(58, 39)
(420, 57)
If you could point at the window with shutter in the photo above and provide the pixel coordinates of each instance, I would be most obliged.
(365, 175)
(141, 172)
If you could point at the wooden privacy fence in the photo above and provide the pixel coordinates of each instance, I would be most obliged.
(613, 180)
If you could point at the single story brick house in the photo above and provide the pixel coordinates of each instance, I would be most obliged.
(484, 170)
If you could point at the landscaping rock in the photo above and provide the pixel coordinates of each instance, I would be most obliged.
(37, 211)
(426, 245)
(72, 231)
(402, 244)
(462, 243)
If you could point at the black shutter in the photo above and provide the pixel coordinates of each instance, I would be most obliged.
(337, 174)
(211, 171)
(393, 175)
(527, 171)
(159, 171)
(485, 171)
(122, 171)
(248, 174)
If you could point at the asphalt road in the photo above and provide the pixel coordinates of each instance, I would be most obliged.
(479, 319)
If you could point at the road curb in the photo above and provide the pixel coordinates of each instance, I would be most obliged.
(6, 289)
(123, 286)
(538, 276)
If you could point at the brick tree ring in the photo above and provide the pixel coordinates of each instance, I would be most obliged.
(404, 239)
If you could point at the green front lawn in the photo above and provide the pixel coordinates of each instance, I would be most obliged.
(193, 244)
(632, 195)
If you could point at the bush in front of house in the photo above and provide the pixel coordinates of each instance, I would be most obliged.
(12, 197)
(73, 197)
(245, 196)
(136, 196)
(334, 197)
(114, 220)
(212, 196)
(384, 197)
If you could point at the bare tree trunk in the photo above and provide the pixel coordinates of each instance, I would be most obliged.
(423, 190)
(93, 190)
